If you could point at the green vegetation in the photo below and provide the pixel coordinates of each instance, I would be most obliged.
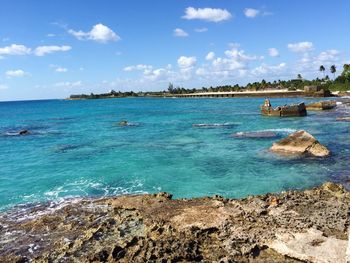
(115, 94)
(342, 82)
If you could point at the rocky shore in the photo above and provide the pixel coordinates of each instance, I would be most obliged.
(293, 226)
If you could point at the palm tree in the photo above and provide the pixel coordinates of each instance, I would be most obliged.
(322, 69)
(333, 69)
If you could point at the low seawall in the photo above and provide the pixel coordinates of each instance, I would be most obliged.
(252, 94)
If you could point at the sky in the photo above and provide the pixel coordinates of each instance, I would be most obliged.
(52, 49)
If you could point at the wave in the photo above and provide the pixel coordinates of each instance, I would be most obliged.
(70, 192)
(281, 130)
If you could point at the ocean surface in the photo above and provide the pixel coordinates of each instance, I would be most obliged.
(183, 146)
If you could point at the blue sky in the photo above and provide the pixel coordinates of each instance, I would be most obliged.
(51, 49)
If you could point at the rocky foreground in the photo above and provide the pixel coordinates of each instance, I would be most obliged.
(294, 226)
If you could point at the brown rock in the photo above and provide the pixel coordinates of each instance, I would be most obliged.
(139, 228)
(322, 105)
(300, 142)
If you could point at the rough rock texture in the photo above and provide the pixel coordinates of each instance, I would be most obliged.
(300, 142)
(322, 105)
(308, 226)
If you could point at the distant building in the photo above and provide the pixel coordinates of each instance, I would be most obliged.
(312, 88)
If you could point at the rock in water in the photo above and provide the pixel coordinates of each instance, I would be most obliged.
(23, 132)
(346, 118)
(300, 142)
(123, 123)
(257, 134)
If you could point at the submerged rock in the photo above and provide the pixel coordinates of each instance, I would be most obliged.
(257, 134)
(300, 142)
(345, 118)
(214, 125)
(123, 123)
(23, 132)
(155, 228)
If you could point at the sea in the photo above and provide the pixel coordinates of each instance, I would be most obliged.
(189, 147)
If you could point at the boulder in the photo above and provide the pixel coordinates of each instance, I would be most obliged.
(322, 105)
(300, 142)
(123, 123)
(23, 132)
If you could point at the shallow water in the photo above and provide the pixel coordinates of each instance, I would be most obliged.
(182, 146)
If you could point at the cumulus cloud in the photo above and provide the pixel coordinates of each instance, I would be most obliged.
(331, 55)
(15, 73)
(210, 56)
(15, 49)
(68, 84)
(42, 50)
(273, 52)
(186, 62)
(310, 63)
(201, 30)
(99, 33)
(251, 12)
(207, 14)
(138, 67)
(300, 47)
(266, 69)
(240, 55)
(3, 86)
(178, 32)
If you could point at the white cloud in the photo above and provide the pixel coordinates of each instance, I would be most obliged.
(300, 47)
(15, 49)
(50, 35)
(99, 33)
(207, 14)
(328, 56)
(61, 69)
(15, 73)
(310, 63)
(3, 86)
(68, 84)
(201, 30)
(251, 12)
(266, 69)
(186, 62)
(273, 52)
(138, 67)
(42, 50)
(210, 56)
(178, 32)
(240, 55)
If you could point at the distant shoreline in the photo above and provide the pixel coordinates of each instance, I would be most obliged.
(229, 94)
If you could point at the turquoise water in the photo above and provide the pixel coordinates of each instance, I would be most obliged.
(76, 148)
